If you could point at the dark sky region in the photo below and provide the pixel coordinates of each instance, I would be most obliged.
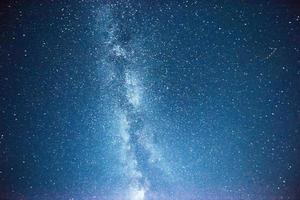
(149, 100)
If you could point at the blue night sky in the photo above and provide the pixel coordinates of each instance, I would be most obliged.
(149, 100)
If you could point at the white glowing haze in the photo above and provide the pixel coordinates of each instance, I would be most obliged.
(126, 115)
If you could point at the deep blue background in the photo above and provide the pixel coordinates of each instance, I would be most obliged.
(222, 82)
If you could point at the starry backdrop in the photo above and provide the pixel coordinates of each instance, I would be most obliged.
(148, 100)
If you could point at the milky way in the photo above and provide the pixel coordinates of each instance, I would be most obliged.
(124, 78)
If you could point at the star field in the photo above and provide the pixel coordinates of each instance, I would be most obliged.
(149, 100)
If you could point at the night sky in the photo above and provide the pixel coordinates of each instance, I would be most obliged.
(149, 100)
